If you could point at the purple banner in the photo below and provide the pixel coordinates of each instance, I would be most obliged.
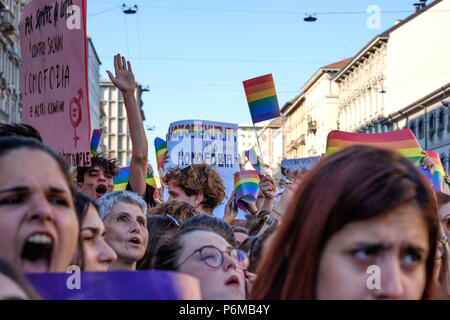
(116, 285)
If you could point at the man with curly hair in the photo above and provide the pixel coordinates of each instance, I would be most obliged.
(197, 184)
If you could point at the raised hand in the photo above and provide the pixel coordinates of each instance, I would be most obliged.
(428, 164)
(231, 210)
(124, 79)
(267, 186)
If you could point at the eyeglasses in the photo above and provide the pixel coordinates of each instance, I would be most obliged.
(213, 257)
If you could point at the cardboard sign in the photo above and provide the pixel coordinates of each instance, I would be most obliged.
(300, 163)
(116, 285)
(209, 142)
(54, 76)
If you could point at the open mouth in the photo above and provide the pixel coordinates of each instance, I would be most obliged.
(37, 253)
(100, 190)
(233, 281)
(135, 241)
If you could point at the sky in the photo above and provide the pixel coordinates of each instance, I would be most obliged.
(193, 55)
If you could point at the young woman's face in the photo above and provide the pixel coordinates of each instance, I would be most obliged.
(97, 254)
(38, 223)
(126, 231)
(395, 244)
(226, 282)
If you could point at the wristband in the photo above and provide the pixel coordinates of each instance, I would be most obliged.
(444, 239)
(268, 219)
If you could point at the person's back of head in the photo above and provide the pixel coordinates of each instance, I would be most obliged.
(159, 227)
(212, 223)
(180, 210)
(19, 129)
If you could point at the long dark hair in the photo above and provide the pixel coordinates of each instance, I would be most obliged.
(82, 203)
(357, 183)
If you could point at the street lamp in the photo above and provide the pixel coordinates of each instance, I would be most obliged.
(129, 10)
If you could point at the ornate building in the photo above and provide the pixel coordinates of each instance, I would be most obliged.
(309, 117)
(396, 68)
(10, 60)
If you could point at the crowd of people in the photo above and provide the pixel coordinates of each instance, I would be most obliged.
(314, 235)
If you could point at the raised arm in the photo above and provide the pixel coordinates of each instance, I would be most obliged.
(126, 83)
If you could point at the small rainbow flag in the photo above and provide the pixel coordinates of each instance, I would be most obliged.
(262, 98)
(160, 149)
(255, 160)
(95, 140)
(121, 180)
(402, 141)
(246, 187)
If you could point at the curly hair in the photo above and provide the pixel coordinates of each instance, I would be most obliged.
(199, 179)
(108, 165)
(180, 210)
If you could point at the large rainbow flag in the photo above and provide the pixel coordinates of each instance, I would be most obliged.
(246, 187)
(95, 140)
(121, 180)
(402, 141)
(262, 98)
(160, 149)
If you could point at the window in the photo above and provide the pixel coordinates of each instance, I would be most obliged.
(413, 127)
(120, 109)
(120, 142)
(420, 127)
(431, 122)
(120, 125)
(121, 159)
(441, 119)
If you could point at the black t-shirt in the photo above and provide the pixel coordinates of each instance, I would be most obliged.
(148, 196)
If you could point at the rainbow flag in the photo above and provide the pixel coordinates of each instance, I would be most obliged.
(262, 98)
(160, 149)
(246, 187)
(402, 141)
(95, 140)
(255, 160)
(121, 180)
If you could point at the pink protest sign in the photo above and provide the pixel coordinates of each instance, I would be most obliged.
(54, 76)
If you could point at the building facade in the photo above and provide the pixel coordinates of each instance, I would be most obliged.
(429, 120)
(309, 117)
(396, 68)
(94, 90)
(271, 141)
(10, 60)
(247, 138)
(116, 137)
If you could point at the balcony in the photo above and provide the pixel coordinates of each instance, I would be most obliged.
(312, 126)
(6, 22)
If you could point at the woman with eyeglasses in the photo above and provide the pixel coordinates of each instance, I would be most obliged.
(204, 254)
